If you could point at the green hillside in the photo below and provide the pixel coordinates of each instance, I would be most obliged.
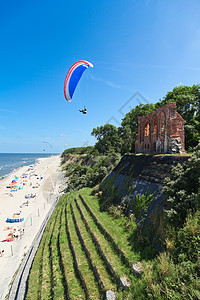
(83, 253)
(87, 251)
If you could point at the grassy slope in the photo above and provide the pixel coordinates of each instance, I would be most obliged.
(56, 270)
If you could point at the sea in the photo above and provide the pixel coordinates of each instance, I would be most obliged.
(9, 162)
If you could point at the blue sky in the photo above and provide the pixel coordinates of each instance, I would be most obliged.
(140, 49)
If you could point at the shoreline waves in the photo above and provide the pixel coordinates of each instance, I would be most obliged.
(11, 162)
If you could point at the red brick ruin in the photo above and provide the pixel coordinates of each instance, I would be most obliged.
(161, 131)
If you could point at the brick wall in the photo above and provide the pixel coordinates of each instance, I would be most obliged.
(161, 131)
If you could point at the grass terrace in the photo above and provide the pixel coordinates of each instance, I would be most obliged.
(83, 253)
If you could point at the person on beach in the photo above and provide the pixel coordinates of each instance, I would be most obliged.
(2, 253)
(7, 228)
(16, 236)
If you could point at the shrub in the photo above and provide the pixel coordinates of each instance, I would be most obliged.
(141, 203)
(187, 240)
(183, 190)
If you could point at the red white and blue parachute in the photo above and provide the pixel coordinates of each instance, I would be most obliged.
(73, 76)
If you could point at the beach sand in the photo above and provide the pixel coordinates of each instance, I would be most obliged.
(44, 180)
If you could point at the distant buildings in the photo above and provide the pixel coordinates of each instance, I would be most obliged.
(161, 131)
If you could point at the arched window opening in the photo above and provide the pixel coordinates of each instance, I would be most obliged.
(162, 122)
(162, 125)
(155, 126)
(146, 129)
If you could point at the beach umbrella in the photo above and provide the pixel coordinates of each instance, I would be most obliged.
(9, 239)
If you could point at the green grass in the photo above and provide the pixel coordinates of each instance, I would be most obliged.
(97, 261)
(115, 227)
(163, 154)
(40, 264)
(57, 269)
(113, 258)
(57, 277)
(75, 290)
(83, 264)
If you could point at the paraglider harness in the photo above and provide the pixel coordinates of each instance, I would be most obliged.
(84, 111)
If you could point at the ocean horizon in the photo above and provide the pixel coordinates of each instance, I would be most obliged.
(9, 162)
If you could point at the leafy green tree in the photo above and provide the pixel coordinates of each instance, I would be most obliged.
(187, 99)
(108, 139)
(183, 190)
(77, 150)
(127, 142)
(129, 126)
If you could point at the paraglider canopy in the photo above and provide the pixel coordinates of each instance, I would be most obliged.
(73, 76)
(47, 143)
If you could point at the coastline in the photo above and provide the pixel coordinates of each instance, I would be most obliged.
(46, 184)
(18, 160)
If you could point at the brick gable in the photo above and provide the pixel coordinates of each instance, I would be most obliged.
(161, 131)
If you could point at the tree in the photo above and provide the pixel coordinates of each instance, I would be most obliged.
(183, 190)
(129, 126)
(187, 99)
(108, 139)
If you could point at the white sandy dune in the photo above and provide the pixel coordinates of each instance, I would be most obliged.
(44, 180)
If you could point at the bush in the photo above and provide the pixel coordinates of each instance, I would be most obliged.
(78, 150)
(175, 273)
(98, 176)
(141, 203)
(89, 171)
(183, 190)
(187, 240)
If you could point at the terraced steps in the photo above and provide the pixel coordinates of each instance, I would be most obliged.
(77, 257)
(113, 264)
(95, 258)
(106, 234)
(75, 290)
(38, 276)
(80, 261)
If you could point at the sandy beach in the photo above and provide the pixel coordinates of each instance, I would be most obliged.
(29, 200)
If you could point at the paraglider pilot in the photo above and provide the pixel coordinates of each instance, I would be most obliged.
(84, 111)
